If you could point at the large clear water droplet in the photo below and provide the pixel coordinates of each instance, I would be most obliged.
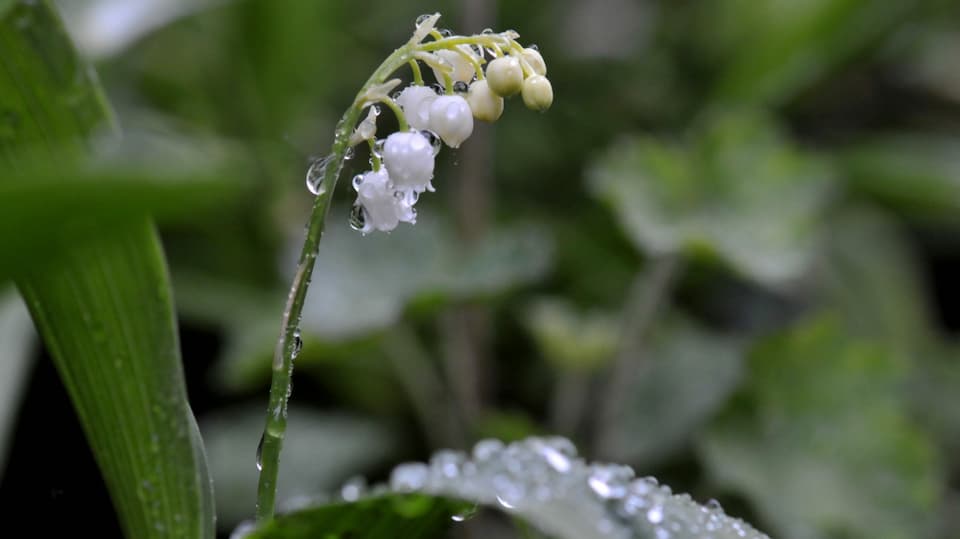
(487, 449)
(655, 514)
(353, 489)
(358, 218)
(423, 18)
(409, 477)
(434, 139)
(297, 344)
(465, 515)
(315, 175)
(260, 453)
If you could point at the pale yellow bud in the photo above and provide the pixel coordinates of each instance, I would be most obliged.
(537, 93)
(486, 105)
(535, 61)
(505, 76)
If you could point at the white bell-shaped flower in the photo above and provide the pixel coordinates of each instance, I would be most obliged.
(382, 209)
(462, 68)
(408, 157)
(451, 119)
(415, 102)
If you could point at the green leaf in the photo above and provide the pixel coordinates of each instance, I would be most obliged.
(320, 451)
(917, 174)
(869, 276)
(103, 305)
(540, 481)
(17, 336)
(572, 340)
(410, 517)
(368, 282)
(44, 209)
(822, 444)
(781, 48)
(687, 375)
(740, 190)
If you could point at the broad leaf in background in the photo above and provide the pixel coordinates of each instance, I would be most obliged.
(103, 305)
(916, 174)
(320, 452)
(102, 28)
(542, 482)
(780, 48)
(684, 378)
(868, 275)
(820, 440)
(572, 340)
(362, 285)
(17, 339)
(740, 190)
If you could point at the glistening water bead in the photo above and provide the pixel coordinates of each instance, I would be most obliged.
(358, 218)
(315, 174)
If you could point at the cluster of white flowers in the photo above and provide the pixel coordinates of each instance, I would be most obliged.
(403, 162)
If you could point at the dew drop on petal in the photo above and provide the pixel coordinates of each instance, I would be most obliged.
(445, 32)
(357, 181)
(358, 219)
(487, 31)
(434, 139)
(460, 87)
(378, 147)
(534, 47)
(348, 153)
(422, 18)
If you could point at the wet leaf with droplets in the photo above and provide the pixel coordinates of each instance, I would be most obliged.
(541, 481)
(102, 303)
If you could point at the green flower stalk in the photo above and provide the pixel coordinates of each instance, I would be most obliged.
(402, 168)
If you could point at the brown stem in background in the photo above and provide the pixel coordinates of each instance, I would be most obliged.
(649, 290)
(467, 328)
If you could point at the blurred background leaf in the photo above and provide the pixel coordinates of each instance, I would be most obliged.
(741, 192)
(820, 442)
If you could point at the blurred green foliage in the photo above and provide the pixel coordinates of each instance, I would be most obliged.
(800, 157)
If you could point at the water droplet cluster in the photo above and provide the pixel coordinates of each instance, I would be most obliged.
(545, 482)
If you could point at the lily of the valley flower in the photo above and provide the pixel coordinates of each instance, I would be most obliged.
(451, 119)
(403, 162)
(415, 102)
(408, 157)
(381, 208)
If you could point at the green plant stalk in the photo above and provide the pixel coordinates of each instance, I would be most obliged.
(268, 457)
(276, 424)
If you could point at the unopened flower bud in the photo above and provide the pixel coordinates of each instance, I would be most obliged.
(505, 76)
(452, 119)
(537, 93)
(535, 60)
(486, 105)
